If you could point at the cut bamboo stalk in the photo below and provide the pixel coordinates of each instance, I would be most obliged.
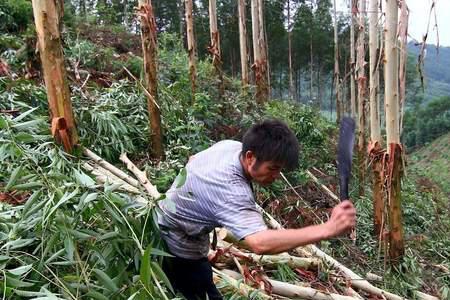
(150, 188)
(294, 291)
(106, 165)
(104, 176)
(240, 287)
(282, 258)
(423, 296)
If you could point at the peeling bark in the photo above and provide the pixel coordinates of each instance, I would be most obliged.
(47, 16)
(149, 51)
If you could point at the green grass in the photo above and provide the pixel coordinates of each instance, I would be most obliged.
(433, 161)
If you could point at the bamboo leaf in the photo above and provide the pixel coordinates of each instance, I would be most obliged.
(96, 295)
(27, 186)
(83, 179)
(29, 293)
(16, 283)
(31, 201)
(159, 252)
(3, 123)
(79, 234)
(69, 247)
(24, 137)
(161, 275)
(181, 178)
(20, 270)
(145, 272)
(55, 256)
(108, 235)
(26, 125)
(132, 296)
(16, 244)
(106, 280)
(66, 197)
(13, 178)
(23, 115)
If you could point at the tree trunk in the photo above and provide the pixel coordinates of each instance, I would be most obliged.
(291, 81)
(260, 63)
(403, 35)
(361, 97)
(83, 8)
(214, 48)
(337, 85)
(375, 130)
(353, 9)
(149, 51)
(47, 20)
(311, 69)
(191, 45)
(243, 42)
(396, 243)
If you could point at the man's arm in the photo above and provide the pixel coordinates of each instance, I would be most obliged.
(343, 218)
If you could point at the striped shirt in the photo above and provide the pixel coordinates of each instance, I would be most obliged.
(216, 194)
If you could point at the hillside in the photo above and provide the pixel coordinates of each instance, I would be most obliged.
(433, 160)
(436, 75)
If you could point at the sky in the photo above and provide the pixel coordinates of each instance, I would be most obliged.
(419, 11)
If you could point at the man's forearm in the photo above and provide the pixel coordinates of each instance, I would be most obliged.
(276, 241)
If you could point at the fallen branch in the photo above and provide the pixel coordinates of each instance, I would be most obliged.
(106, 165)
(294, 291)
(150, 188)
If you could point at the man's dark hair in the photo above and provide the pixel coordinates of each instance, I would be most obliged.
(272, 140)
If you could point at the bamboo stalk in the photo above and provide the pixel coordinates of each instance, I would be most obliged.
(237, 285)
(294, 291)
(150, 188)
(106, 165)
(282, 258)
(103, 176)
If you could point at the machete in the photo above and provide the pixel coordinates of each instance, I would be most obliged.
(344, 155)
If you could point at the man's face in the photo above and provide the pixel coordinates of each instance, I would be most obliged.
(264, 173)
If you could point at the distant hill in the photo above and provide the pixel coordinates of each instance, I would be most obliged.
(433, 160)
(437, 69)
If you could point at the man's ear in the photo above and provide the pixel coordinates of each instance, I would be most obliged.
(250, 157)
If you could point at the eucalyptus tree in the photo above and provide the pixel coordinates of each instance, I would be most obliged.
(214, 47)
(361, 73)
(47, 17)
(375, 128)
(394, 148)
(337, 84)
(259, 51)
(149, 52)
(191, 45)
(243, 42)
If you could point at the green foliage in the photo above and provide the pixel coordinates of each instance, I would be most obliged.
(313, 132)
(16, 15)
(116, 122)
(72, 238)
(424, 124)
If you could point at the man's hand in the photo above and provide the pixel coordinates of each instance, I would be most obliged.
(343, 218)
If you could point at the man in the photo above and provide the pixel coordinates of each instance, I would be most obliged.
(218, 193)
